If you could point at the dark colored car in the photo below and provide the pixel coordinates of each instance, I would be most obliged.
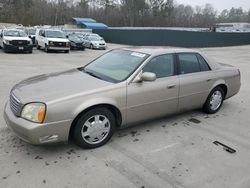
(76, 42)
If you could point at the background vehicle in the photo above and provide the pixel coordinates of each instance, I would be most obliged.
(94, 42)
(76, 42)
(115, 90)
(31, 32)
(13, 40)
(50, 39)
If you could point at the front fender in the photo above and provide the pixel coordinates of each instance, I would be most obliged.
(93, 102)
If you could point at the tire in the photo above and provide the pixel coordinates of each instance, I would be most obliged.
(31, 51)
(46, 48)
(66, 51)
(85, 136)
(37, 46)
(214, 101)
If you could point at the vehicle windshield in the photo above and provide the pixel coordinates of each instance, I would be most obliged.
(32, 31)
(115, 66)
(14, 33)
(74, 38)
(95, 38)
(55, 34)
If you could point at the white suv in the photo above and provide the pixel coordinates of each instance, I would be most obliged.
(14, 40)
(50, 39)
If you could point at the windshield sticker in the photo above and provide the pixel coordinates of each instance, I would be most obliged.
(138, 54)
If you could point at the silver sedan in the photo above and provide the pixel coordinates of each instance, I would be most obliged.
(121, 87)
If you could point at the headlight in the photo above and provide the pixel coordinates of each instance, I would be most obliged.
(6, 41)
(51, 43)
(34, 112)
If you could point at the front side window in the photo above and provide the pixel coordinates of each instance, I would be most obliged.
(188, 63)
(162, 66)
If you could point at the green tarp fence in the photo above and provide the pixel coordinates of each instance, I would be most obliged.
(162, 37)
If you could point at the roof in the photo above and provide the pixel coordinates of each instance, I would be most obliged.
(89, 23)
(80, 20)
(94, 25)
(158, 50)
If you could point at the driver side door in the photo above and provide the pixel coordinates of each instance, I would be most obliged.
(147, 100)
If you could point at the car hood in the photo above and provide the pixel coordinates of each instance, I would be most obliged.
(49, 87)
(16, 38)
(58, 40)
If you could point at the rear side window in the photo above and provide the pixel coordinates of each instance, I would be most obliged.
(162, 66)
(188, 63)
(203, 64)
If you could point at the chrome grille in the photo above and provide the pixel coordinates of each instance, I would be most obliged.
(15, 105)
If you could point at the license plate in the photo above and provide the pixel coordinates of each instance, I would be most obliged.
(21, 48)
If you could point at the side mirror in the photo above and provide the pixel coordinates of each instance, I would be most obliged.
(67, 36)
(148, 77)
(30, 36)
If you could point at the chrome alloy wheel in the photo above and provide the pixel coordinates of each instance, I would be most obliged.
(95, 129)
(216, 100)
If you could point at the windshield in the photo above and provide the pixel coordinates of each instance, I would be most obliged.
(74, 38)
(115, 66)
(14, 33)
(95, 38)
(32, 31)
(55, 34)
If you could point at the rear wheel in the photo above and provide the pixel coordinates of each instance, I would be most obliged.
(46, 48)
(214, 101)
(37, 46)
(94, 128)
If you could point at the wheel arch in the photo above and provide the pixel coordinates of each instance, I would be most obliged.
(222, 84)
(112, 108)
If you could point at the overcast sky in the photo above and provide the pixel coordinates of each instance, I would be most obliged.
(218, 4)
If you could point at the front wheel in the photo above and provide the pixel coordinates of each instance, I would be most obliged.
(214, 101)
(94, 128)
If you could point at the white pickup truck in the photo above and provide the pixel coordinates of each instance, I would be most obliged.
(50, 39)
(14, 40)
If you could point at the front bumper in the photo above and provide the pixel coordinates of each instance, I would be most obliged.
(13, 48)
(56, 48)
(97, 46)
(35, 133)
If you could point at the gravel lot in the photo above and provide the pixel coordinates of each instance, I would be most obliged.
(177, 151)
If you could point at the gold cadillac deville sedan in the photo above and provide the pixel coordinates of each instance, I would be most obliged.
(121, 87)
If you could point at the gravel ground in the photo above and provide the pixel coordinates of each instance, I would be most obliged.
(176, 151)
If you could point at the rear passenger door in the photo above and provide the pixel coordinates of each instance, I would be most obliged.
(196, 79)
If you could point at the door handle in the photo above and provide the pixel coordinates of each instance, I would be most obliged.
(170, 86)
(210, 79)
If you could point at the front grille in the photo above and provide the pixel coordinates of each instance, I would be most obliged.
(19, 42)
(15, 105)
(60, 44)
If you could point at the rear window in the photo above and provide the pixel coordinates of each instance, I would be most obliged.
(203, 64)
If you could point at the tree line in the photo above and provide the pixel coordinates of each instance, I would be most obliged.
(138, 13)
